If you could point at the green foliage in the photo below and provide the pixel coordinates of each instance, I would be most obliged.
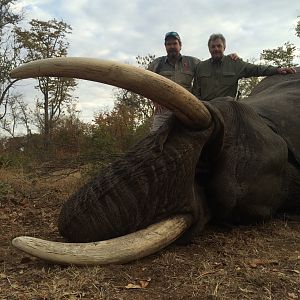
(280, 56)
(117, 127)
(7, 17)
(45, 39)
(246, 85)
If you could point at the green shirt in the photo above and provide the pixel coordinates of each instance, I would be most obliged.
(182, 72)
(219, 79)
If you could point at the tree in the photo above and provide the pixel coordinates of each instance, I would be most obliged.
(46, 40)
(280, 56)
(17, 114)
(9, 54)
(116, 128)
(247, 84)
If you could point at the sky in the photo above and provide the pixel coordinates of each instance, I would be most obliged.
(122, 29)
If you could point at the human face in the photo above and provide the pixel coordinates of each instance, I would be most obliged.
(216, 49)
(173, 47)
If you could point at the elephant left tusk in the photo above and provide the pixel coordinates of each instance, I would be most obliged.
(114, 251)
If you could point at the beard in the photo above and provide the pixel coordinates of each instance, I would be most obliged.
(173, 53)
(216, 56)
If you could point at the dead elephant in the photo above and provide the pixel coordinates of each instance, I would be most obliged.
(225, 160)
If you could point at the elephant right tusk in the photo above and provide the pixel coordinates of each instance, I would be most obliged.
(181, 102)
(114, 251)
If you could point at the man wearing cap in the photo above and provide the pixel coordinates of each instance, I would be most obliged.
(219, 75)
(179, 68)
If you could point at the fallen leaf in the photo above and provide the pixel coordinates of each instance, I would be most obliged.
(254, 263)
(293, 295)
(143, 283)
(133, 286)
(3, 276)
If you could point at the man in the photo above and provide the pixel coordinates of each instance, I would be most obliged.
(174, 66)
(219, 75)
(179, 68)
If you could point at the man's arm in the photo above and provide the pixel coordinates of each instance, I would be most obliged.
(252, 70)
(152, 66)
(196, 88)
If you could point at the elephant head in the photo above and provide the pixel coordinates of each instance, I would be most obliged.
(215, 160)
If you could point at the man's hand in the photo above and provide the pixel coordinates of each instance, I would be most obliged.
(285, 71)
(234, 56)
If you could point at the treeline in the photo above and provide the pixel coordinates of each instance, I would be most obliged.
(58, 133)
(75, 142)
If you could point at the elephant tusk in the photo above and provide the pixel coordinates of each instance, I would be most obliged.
(114, 251)
(181, 102)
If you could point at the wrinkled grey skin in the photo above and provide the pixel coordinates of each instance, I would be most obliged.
(243, 169)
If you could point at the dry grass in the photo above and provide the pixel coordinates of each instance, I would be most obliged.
(252, 262)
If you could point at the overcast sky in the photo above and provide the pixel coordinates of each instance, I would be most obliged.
(122, 29)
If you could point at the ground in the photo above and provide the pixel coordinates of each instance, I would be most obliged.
(249, 262)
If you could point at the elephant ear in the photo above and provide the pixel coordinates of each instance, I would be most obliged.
(276, 99)
(214, 145)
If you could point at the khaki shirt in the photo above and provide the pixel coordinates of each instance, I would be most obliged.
(219, 79)
(182, 72)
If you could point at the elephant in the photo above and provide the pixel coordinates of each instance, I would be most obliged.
(225, 161)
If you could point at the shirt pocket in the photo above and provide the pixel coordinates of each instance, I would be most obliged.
(205, 79)
(185, 78)
(228, 78)
(167, 74)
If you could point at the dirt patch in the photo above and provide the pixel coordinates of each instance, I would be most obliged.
(249, 262)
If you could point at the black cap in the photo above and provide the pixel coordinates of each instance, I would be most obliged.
(173, 34)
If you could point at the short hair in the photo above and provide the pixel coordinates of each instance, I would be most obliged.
(216, 36)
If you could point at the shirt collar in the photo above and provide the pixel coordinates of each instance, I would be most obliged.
(217, 61)
(179, 58)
